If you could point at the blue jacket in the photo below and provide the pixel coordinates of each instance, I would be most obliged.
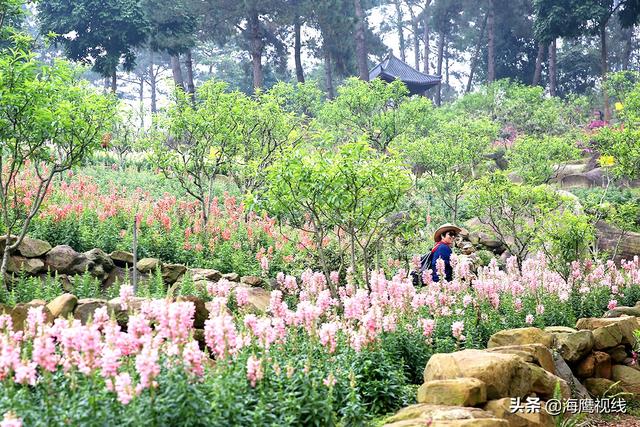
(442, 251)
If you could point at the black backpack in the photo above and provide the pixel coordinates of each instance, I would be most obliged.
(425, 264)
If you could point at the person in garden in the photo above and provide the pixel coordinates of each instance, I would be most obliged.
(444, 237)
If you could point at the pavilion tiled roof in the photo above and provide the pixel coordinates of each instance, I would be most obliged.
(393, 68)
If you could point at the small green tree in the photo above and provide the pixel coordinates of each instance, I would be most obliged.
(534, 158)
(266, 131)
(349, 190)
(525, 108)
(450, 155)
(195, 142)
(381, 111)
(516, 213)
(567, 237)
(49, 122)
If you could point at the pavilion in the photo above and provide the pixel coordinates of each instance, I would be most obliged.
(392, 68)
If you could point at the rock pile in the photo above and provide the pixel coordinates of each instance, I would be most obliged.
(476, 387)
(36, 257)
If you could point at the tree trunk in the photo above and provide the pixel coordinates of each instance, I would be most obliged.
(605, 68)
(361, 46)
(446, 63)
(441, 40)
(141, 106)
(491, 54)
(297, 47)
(400, 29)
(628, 47)
(553, 69)
(188, 63)
(476, 54)
(152, 85)
(114, 81)
(425, 36)
(256, 50)
(416, 42)
(328, 73)
(538, 71)
(177, 71)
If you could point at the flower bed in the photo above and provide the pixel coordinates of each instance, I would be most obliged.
(311, 359)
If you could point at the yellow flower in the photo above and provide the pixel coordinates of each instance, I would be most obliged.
(619, 106)
(213, 153)
(607, 161)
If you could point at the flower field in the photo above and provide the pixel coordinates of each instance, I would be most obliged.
(311, 359)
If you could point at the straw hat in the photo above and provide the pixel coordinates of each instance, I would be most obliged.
(437, 236)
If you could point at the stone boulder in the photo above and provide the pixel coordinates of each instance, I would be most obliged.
(560, 330)
(576, 181)
(172, 272)
(61, 259)
(115, 309)
(596, 365)
(32, 266)
(456, 392)
(598, 387)
(201, 313)
(20, 312)
(232, 277)
(505, 375)
(537, 354)
(63, 305)
(564, 371)
(501, 408)
(521, 336)
(119, 275)
(33, 248)
(597, 176)
(610, 332)
(86, 307)
(515, 178)
(629, 378)
(19, 316)
(148, 265)
(36, 303)
(575, 346)
(423, 414)
(198, 274)
(564, 170)
(254, 281)
(96, 262)
(259, 300)
(610, 237)
(623, 311)
(122, 258)
(618, 354)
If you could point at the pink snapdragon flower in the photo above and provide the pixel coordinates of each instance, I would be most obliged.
(126, 294)
(11, 420)
(428, 325)
(456, 329)
(254, 370)
(124, 388)
(242, 296)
